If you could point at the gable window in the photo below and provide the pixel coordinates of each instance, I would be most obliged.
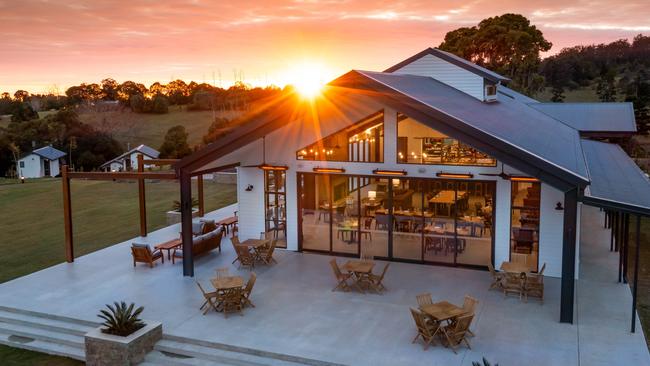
(360, 142)
(418, 143)
(22, 164)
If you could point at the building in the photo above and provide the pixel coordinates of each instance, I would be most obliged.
(432, 161)
(43, 162)
(129, 160)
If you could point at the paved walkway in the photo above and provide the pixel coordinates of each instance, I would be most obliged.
(296, 313)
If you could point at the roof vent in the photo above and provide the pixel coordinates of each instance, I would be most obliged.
(490, 93)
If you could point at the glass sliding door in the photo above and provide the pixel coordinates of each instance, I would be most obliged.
(524, 223)
(345, 214)
(315, 206)
(276, 207)
(474, 222)
(375, 220)
(407, 219)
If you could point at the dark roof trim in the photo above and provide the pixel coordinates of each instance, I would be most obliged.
(614, 205)
(453, 59)
(504, 151)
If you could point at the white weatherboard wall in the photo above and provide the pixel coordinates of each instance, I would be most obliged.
(502, 222)
(32, 166)
(445, 72)
(251, 203)
(54, 168)
(551, 222)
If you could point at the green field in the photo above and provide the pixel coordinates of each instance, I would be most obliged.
(104, 213)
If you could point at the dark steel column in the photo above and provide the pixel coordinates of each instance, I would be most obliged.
(67, 215)
(199, 186)
(626, 244)
(612, 232)
(141, 197)
(569, 255)
(636, 271)
(186, 222)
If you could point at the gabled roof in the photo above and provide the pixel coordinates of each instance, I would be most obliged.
(592, 117)
(616, 180)
(453, 59)
(509, 128)
(509, 93)
(142, 149)
(50, 153)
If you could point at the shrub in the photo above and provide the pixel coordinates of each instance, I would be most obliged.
(120, 319)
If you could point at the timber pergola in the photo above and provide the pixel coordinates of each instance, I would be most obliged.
(140, 175)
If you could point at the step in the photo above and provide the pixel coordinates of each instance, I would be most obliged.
(230, 355)
(159, 358)
(62, 318)
(43, 347)
(44, 321)
(38, 333)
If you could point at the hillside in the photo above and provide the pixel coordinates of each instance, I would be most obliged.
(132, 129)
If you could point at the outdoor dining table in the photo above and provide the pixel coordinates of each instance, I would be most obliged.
(360, 270)
(229, 223)
(442, 310)
(512, 267)
(227, 283)
(254, 243)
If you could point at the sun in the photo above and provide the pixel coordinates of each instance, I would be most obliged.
(308, 78)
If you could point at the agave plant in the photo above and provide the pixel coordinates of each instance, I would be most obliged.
(485, 363)
(177, 204)
(121, 319)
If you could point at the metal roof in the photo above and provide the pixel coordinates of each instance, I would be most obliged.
(592, 117)
(143, 149)
(509, 93)
(511, 122)
(616, 180)
(456, 60)
(48, 152)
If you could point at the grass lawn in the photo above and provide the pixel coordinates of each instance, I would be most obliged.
(104, 213)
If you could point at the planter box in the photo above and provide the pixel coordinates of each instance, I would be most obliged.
(110, 350)
(174, 217)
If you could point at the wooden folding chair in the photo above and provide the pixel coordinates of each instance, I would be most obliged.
(232, 301)
(377, 281)
(456, 332)
(235, 244)
(222, 272)
(535, 285)
(246, 258)
(497, 277)
(266, 254)
(515, 283)
(424, 299)
(469, 305)
(426, 330)
(340, 277)
(211, 298)
(246, 293)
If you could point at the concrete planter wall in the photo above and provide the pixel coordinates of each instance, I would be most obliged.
(174, 217)
(110, 350)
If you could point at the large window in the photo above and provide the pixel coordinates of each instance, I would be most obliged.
(421, 144)
(276, 206)
(524, 236)
(361, 142)
(419, 220)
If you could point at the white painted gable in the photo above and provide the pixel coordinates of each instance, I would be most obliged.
(446, 72)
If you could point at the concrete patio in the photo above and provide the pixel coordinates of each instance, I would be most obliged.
(297, 314)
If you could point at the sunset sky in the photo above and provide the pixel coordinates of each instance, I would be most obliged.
(49, 42)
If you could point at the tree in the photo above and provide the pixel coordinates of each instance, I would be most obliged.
(557, 94)
(128, 89)
(21, 95)
(160, 104)
(138, 103)
(22, 111)
(175, 145)
(606, 87)
(507, 44)
(109, 89)
(217, 129)
(638, 93)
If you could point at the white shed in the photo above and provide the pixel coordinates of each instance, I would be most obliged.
(129, 160)
(43, 162)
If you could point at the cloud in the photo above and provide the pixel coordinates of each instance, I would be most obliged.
(50, 42)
